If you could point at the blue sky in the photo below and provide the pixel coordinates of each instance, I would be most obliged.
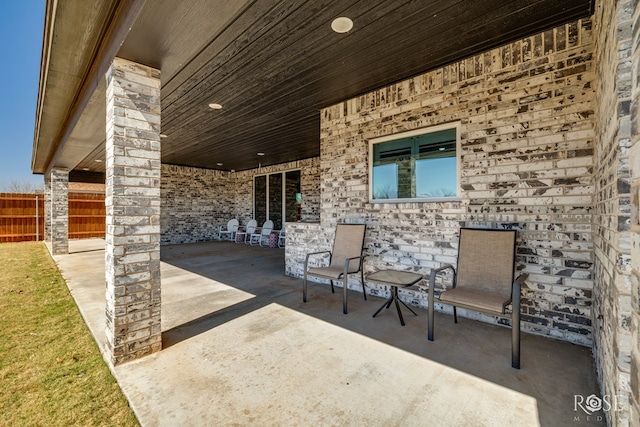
(21, 23)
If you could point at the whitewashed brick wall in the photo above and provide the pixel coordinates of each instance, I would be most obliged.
(195, 201)
(527, 129)
(634, 161)
(612, 206)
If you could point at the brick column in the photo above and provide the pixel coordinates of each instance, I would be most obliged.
(634, 162)
(59, 211)
(133, 211)
(47, 209)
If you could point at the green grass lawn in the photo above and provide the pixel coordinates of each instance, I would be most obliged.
(51, 371)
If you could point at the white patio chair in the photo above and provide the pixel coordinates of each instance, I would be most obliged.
(282, 239)
(229, 231)
(241, 235)
(263, 235)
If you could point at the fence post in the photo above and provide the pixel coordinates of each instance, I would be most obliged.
(37, 219)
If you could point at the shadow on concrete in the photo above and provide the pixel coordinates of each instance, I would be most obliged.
(240, 280)
(241, 348)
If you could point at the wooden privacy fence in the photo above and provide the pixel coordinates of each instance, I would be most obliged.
(22, 216)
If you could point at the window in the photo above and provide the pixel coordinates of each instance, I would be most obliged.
(420, 165)
(276, 197)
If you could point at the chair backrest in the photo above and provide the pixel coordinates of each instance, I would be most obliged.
(486, 260)
(251, 226)
(232, 225)
(267, 227)
(348, 243)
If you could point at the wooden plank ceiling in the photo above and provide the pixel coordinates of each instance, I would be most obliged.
(273, 64)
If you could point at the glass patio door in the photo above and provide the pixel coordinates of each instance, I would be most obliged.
(277, 197)
(275, 200)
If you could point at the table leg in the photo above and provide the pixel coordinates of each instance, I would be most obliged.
(395, 296)
(387, 303)
(414, 313)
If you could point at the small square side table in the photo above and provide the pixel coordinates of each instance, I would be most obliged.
(394, 279)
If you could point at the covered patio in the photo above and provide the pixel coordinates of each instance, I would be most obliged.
(242, 349)
(415, 119)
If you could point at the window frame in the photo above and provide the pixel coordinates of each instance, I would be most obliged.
(416, 132)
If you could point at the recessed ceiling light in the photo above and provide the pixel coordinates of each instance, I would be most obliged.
(342, 25)
(85, 169)
(215, 106)
(260, 154)
(98, 160)
(219, 164)
(162, 135)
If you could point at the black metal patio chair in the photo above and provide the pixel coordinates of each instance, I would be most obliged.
(484, 280)
(345, 258)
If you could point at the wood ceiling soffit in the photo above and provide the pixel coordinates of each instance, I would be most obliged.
(114, 34)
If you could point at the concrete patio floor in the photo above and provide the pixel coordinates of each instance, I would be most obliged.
(240, 348)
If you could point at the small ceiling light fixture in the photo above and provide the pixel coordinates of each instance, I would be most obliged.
(342, 25)
(215, 106)
(98, 160)
(85, 169)
(219, 164)
(260, 154)
(162, 135)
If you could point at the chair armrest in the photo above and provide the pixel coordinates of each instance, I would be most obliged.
(444, 267)
(306, 260)
(517, 286)
(434, 273)
(347, 261)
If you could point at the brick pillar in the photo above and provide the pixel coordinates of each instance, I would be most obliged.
(59, 205)
(133, 211)
(47, 209)
(634, 162)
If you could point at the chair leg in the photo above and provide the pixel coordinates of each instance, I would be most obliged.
(345, 295)
(432, 284)
(455, 314)
(345, 286)
(515, 344)
(364, 289)
(304, 286)
(333, 291)
(515, 334)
